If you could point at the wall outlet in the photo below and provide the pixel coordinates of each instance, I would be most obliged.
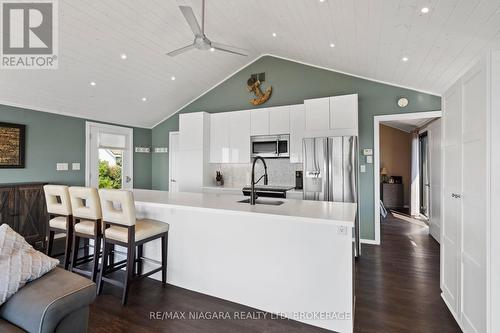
(62, 166)
(342, 230)
(369, 159)
(75, 166)
(367, 151)
(362, 168)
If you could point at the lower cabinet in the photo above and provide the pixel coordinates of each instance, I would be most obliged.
(22, 207)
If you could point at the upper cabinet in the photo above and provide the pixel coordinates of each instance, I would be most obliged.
(193, 127)
(279, 120)
(230, 137)
(219, 138)
(259, 121)
(317, 114)
(338, 114)
(297, 131)
(239, 136)
(344, 112)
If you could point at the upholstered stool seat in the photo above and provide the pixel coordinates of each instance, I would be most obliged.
(59, 222)
(143, 229)
(86, 227)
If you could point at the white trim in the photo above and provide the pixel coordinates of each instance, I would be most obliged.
(129, 132)
(376, 155)
(62, 113)
(298, 62)
(369, 241)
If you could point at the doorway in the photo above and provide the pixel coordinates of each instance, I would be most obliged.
(424, 188)
(109, 156)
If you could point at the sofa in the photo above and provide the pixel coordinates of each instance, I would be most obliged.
(57, 302)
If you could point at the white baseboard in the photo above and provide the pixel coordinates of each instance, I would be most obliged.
(369, 241)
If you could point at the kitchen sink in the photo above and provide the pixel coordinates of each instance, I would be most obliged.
(264, 202)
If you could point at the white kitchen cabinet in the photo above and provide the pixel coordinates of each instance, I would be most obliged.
(279, 120)
(239, 136)
(297, 130)
(344, 112)
(317, 113)
(219, 137)
(259, 121)
(192, 129)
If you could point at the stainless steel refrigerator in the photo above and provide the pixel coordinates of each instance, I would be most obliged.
(330, 172)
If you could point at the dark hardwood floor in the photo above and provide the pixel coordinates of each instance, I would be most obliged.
(397, 291)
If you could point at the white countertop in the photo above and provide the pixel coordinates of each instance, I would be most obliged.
(305, 210)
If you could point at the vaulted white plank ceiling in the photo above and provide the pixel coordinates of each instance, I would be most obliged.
(371, 37)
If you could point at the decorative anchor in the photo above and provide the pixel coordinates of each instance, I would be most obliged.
(261, 97)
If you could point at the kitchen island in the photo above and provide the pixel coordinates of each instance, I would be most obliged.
(293, 260)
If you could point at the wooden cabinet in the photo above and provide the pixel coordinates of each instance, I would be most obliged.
(392, 195)
(317, 114)
(297, 129)
(259, 122)
(279, 120)
(22, 207)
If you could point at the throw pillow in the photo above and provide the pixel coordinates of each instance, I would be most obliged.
(19, 263)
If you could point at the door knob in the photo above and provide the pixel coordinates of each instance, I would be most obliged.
(173, 180)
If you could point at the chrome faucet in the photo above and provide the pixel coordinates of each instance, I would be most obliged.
(253, 196)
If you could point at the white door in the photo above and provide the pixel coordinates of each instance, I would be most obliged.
(474, 200)
(173, 162)
(451, 205)
(109, 156)
(434, 139)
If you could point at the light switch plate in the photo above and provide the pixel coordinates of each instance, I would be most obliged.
(75, 166)
(161, 150)
(62, 166)
(362, 168)
(342, 230)
(367, 151)
(369, 159)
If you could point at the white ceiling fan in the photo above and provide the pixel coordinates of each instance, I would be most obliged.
(201, 42)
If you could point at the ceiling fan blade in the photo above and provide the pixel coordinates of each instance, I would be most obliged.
(191, 20)
(230, 49)
(180, 50)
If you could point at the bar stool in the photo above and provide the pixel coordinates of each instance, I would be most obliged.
(122, 228)
(60, 217)
(87, 222)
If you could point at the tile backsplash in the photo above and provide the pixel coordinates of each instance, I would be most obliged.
(280, 172)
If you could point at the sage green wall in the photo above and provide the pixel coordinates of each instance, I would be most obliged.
(292, 83)
(52, 138)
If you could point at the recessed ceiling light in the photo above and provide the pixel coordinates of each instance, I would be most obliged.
(144, 99)
(212, 49)
(274, 34)
(172, 78)
(123, 56)
(321, 0)
(92, 83)
(404, 59)
(332, 45)
(424, 10)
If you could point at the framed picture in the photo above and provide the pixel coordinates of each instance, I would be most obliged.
(12, 145)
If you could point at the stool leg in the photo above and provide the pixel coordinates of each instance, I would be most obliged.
(74, 252)
(164, 248)
(104, 265)
(50, 242)
(139, 259)
(129, 271)
(67, 251)
(95, 263)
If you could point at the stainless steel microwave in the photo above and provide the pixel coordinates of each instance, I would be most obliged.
(274, 146)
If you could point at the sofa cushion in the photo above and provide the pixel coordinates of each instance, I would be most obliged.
(19, 262)
(42, 304)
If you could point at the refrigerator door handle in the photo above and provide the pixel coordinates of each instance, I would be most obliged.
(326, 171)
